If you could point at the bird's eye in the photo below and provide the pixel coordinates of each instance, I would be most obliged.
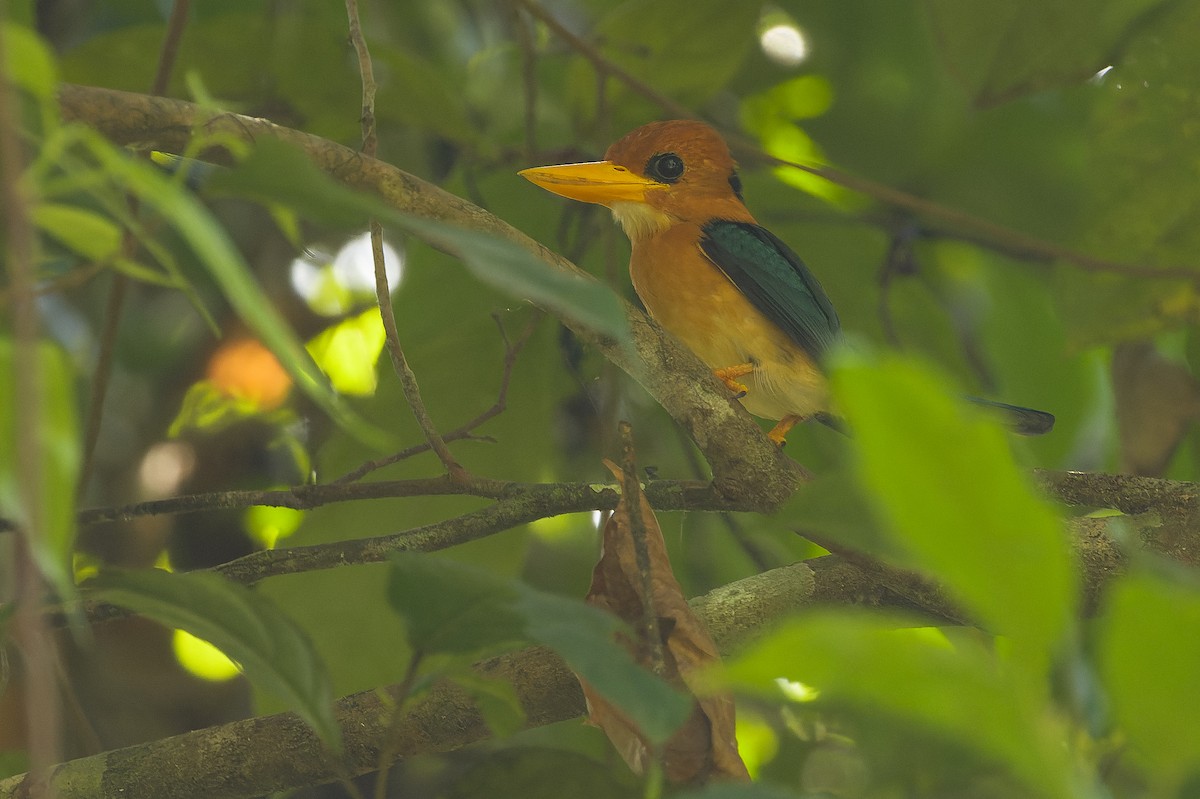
(666, 167)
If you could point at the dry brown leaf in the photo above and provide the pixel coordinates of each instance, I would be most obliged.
(706, 746)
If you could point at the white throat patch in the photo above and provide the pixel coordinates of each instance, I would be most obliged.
(639, 220)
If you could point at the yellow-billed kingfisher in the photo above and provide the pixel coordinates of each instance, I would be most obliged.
(731, 290)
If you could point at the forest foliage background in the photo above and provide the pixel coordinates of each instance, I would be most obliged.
(1012, 214)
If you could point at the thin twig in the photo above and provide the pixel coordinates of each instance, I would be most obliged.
(466, 431)
(383, 294)
(168, 53)
(113, 310)
(391, 742)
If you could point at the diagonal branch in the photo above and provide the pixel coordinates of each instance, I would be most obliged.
(746, 466)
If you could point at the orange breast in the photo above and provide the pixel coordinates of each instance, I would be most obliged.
(689, 296)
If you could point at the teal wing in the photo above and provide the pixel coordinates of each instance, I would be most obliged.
(775, 280)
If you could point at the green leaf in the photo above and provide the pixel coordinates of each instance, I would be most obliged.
(497, 701)
(910, 680)
(451, 608)
(85, 232)
(1149, 648)
(275, 653)
(348, 352)
(584, 636)
(205, 407)
(29, 63)
(277, 173)
(59, 453)
(943, 476)
(456, 609)
(213, 248)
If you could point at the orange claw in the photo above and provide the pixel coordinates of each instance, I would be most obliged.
(779, 432)
(729, 376)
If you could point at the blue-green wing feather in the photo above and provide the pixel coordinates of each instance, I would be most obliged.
(775, 280)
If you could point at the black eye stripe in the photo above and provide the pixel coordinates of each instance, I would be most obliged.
(665, 167)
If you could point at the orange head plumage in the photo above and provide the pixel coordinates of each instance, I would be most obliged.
(658, 175)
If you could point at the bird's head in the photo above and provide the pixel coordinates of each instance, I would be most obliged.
(655, 176)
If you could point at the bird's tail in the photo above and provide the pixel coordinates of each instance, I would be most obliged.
(1025, 421)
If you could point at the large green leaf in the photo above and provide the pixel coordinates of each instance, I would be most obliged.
(1149, 655)
(583, 635)
(275, 173)
(276, 655)
(888, 673)
(944, 477)
(58, 450)
(213, 248)
(452, 608)
(28, 62)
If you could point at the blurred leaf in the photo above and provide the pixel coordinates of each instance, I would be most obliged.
(29, 63)
(911, 679)
(266, 524)
(497, 701)
(58, 443)
(348, 352)
(451, 608)
(84, 232)
(13, 763)
(277, 173)
(276, 655)
(944, 477)
(1149, 651)
(837, 507)
(1000, 51)
(213, 248)
(208, 409)
(585, 637)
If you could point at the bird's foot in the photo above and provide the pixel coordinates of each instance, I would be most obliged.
(729, 376)
(779, 432)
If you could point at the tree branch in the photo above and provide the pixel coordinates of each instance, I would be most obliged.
(746, 466)
(278, 752)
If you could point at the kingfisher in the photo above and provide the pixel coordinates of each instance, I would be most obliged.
(727, 287)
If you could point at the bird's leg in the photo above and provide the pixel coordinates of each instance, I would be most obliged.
(729, 376)
(779, 432)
